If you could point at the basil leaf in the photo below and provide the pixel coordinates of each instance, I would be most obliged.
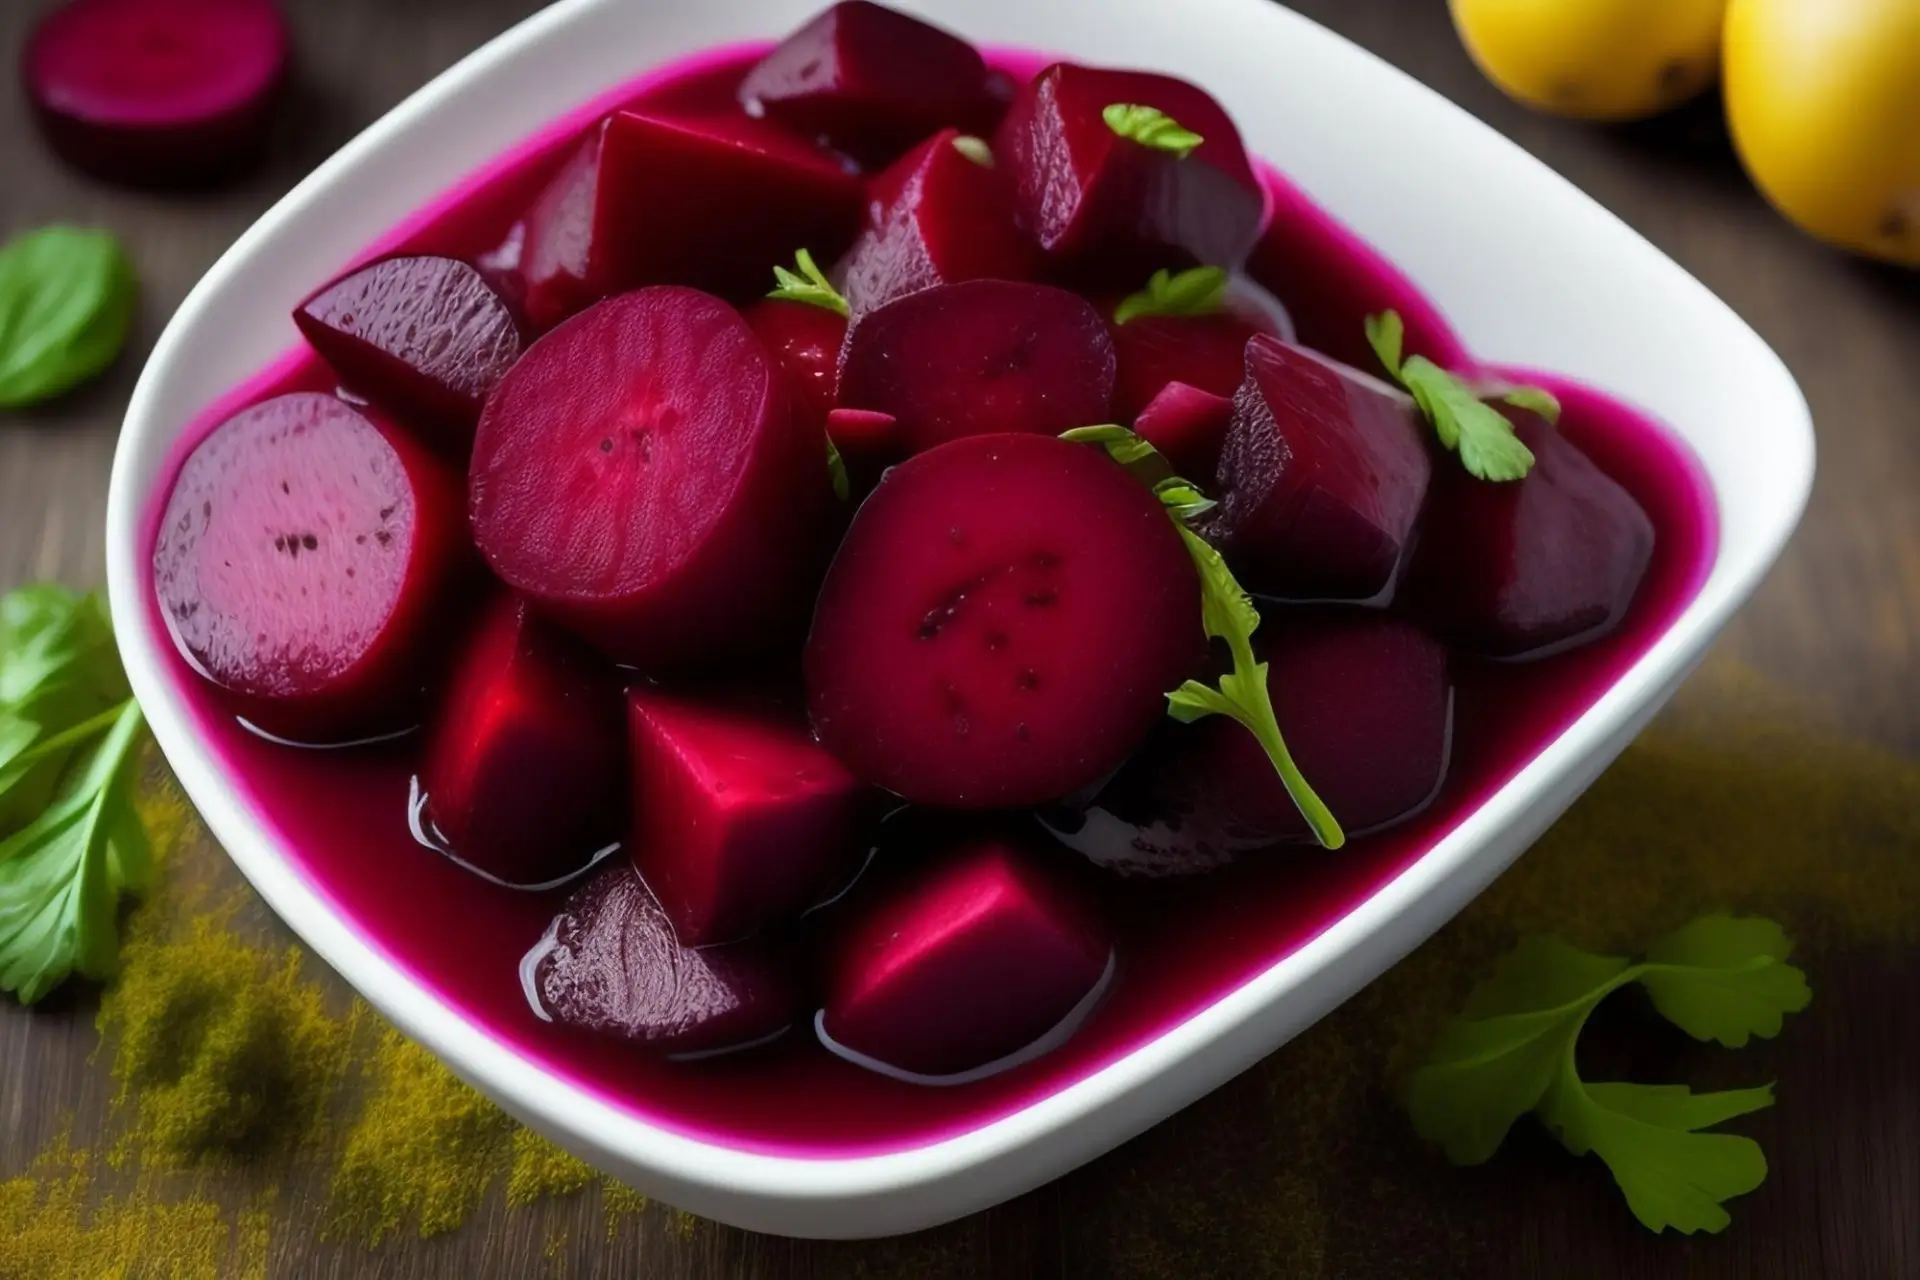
(67, 300)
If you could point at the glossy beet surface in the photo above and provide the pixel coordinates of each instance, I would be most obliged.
(641, 477)
(981, 358)
(1321, 477)
(1524, 568)
(425, 338)
(1208, 352)
(1188, 426)
(609, 963)
(306, 562)
(962, 652)
(968, 961)
(522, 775)
(804, 341)
(742, 820)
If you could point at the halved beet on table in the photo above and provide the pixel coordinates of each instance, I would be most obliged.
(308, 563)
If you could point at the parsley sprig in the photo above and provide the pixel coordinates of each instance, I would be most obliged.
(809, 285)
(1197, 291)
(1151, 127)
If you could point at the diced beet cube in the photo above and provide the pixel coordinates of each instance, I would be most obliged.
(426, 339)
(987, 957)
(740, 821)
(610, 964)
(1207, 352)
(1103, 205)
(1528, 567)
(1321, 477)
(1188, 426)
(804, 341)
(871, 82)
(939, 215)
(525, 758)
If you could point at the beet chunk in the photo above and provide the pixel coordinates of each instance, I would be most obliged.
(640, 476)
(984, 959)
(610, 964)
(1112, 207)
(964, 651)
(1208, 352)
(305, 564)
(524, 752)
(804, 341)
(871, 82)
(1188, 426)
(1528, 567)
(981, 358)
(742, 821)
(1321, 477)
(424, 338)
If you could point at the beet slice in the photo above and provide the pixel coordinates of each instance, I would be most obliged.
(938, 216)
(681, 200)
(610, 964)
(424, 338)
(1110, 207)
(1207, 352)
(743, 821)
(804, 341)
(986, 958)
(640, 476)
(963, 650)
(169, 93)
(1187, 425)
(522, 775)
(981, 358)
(1321, 477)
(306, 562)
(871, 82)
(1529, 567)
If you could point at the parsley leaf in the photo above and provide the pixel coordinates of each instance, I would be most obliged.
(1197, 291)
(837, 470)
(1465, 423)
(67, 299)
(1227, 613)
(1512, 1051)
(974, 149)
(1151, 127)
(809, 285)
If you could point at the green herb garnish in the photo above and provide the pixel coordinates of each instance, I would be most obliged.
(71, 842)
(1151, 127)
(837, 469)
(974, 149)
(1466, 424)
(67, 298)
(1227, 613)
(1512, 1051)
(1197, 291)
(810, 285)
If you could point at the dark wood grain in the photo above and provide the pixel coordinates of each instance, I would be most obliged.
(1839, 620)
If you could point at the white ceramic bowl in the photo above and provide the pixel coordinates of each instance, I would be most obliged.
(1531, 272)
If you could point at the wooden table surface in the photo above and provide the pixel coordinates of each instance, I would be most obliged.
(1837, 622)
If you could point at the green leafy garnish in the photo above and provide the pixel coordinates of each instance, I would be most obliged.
(810, 285)
(1461, 417)
(1227, 613)
(1197, 291)
(837, 469)
(1512, 1051)
(974, 149)
(1151, 127)
(67, 298)
(70, 840)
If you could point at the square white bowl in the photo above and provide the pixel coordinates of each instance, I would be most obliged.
(1529, 270)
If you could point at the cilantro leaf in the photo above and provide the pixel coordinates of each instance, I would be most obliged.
(1726, 979)
(974, 149)
(1151, 127)
(1465, 423)
(809, 285)
(1197, 291)
(67, 301)
(58, 667)
(837, 470)
(1536, 399)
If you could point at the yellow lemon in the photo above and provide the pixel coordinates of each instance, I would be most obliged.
(1596, 59)
(1823, 97)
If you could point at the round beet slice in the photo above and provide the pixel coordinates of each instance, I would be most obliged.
(640, 476)
(304, 565)
(157, 92)
(1002, 624)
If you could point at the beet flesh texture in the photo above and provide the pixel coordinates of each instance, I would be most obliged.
(934, 217)
(524, 751)
(610, 964)
(871, 82)
(974, 958)
(1321, 477)
(426, 339)
(1106, 207)
(1208, 352)
(804, 341)
(306, 563)
(981, 358)
(157, 93)
(640, 476)
(713, 202)
(1188, 426)
(1001, 625)
(741, 821)
(1528, 567)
